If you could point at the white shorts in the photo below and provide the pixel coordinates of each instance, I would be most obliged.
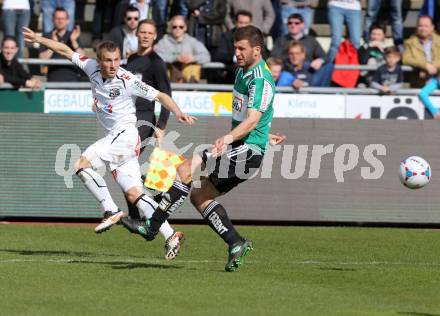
(120, 151)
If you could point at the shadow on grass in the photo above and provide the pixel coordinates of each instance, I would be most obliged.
(337, 269)
(121, 265)
(49, 252)
(417, 314)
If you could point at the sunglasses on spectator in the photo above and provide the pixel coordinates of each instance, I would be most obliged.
(129, 18)
(294, 22)
(178, 26)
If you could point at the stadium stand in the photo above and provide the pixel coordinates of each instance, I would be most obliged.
(320, 27)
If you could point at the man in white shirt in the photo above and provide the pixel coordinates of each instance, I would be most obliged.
(113, 89)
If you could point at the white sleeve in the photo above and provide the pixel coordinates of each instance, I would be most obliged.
(141, 89)
(87, 64)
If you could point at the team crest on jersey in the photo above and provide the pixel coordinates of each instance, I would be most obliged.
(114, 92)
(237, 103)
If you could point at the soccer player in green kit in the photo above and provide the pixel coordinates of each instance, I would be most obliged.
(242, 148)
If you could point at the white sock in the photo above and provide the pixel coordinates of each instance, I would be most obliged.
(147, 205)
(97, 186)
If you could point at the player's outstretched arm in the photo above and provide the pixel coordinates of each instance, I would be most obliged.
(169, 103)
(57, 47)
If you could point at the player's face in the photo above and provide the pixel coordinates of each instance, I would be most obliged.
(60, 20)
(109, 63)
(9, 49)
(246, 54)
(146, 35)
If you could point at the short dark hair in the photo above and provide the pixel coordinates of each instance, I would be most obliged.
(9, 38)
(250, 33)
(296, 16)
(425, 17)
(60, 9)
(377, 26)
(131, 9)
(108, 46)
(392, 50)
(243, 12)
(146, 21)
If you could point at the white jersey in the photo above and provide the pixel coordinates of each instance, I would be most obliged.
(114, 98)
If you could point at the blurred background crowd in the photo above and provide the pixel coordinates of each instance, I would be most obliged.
(305, 39)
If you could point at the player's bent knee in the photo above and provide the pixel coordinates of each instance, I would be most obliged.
(184, 172)
(133, 194)
(81, 163)
(199, 200)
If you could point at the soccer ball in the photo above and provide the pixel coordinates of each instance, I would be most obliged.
(415, 172)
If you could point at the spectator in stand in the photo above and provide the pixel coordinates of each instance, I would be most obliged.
(280, 77)
(303, 74)
(422, 51)
(395, 9)
(183, 53)
(102, 19)
(15, 15)
(125, 35)
(277, 26)
(48, 8)
(179, 7)
(340, 12)
(11, 71)
(315, 55)
(144, 6)
(301, 7)
(431, 8)
(206, 20)
(225, 53)
(263, 15)
(61, 34)
(388, 78)
(372, 53)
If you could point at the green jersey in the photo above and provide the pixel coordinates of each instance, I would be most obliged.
(254, 89)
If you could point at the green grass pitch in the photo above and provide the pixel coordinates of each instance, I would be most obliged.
(69, 270)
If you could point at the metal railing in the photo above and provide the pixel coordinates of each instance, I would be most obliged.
(211, 65)
(228, 88)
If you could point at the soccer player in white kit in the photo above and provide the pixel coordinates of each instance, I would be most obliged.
(113, 90)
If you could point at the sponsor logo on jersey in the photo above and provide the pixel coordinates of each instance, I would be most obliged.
(107, 108)
(125, 76)
(114, 92)
(251, 96)
(266, 97)
(141, 86)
